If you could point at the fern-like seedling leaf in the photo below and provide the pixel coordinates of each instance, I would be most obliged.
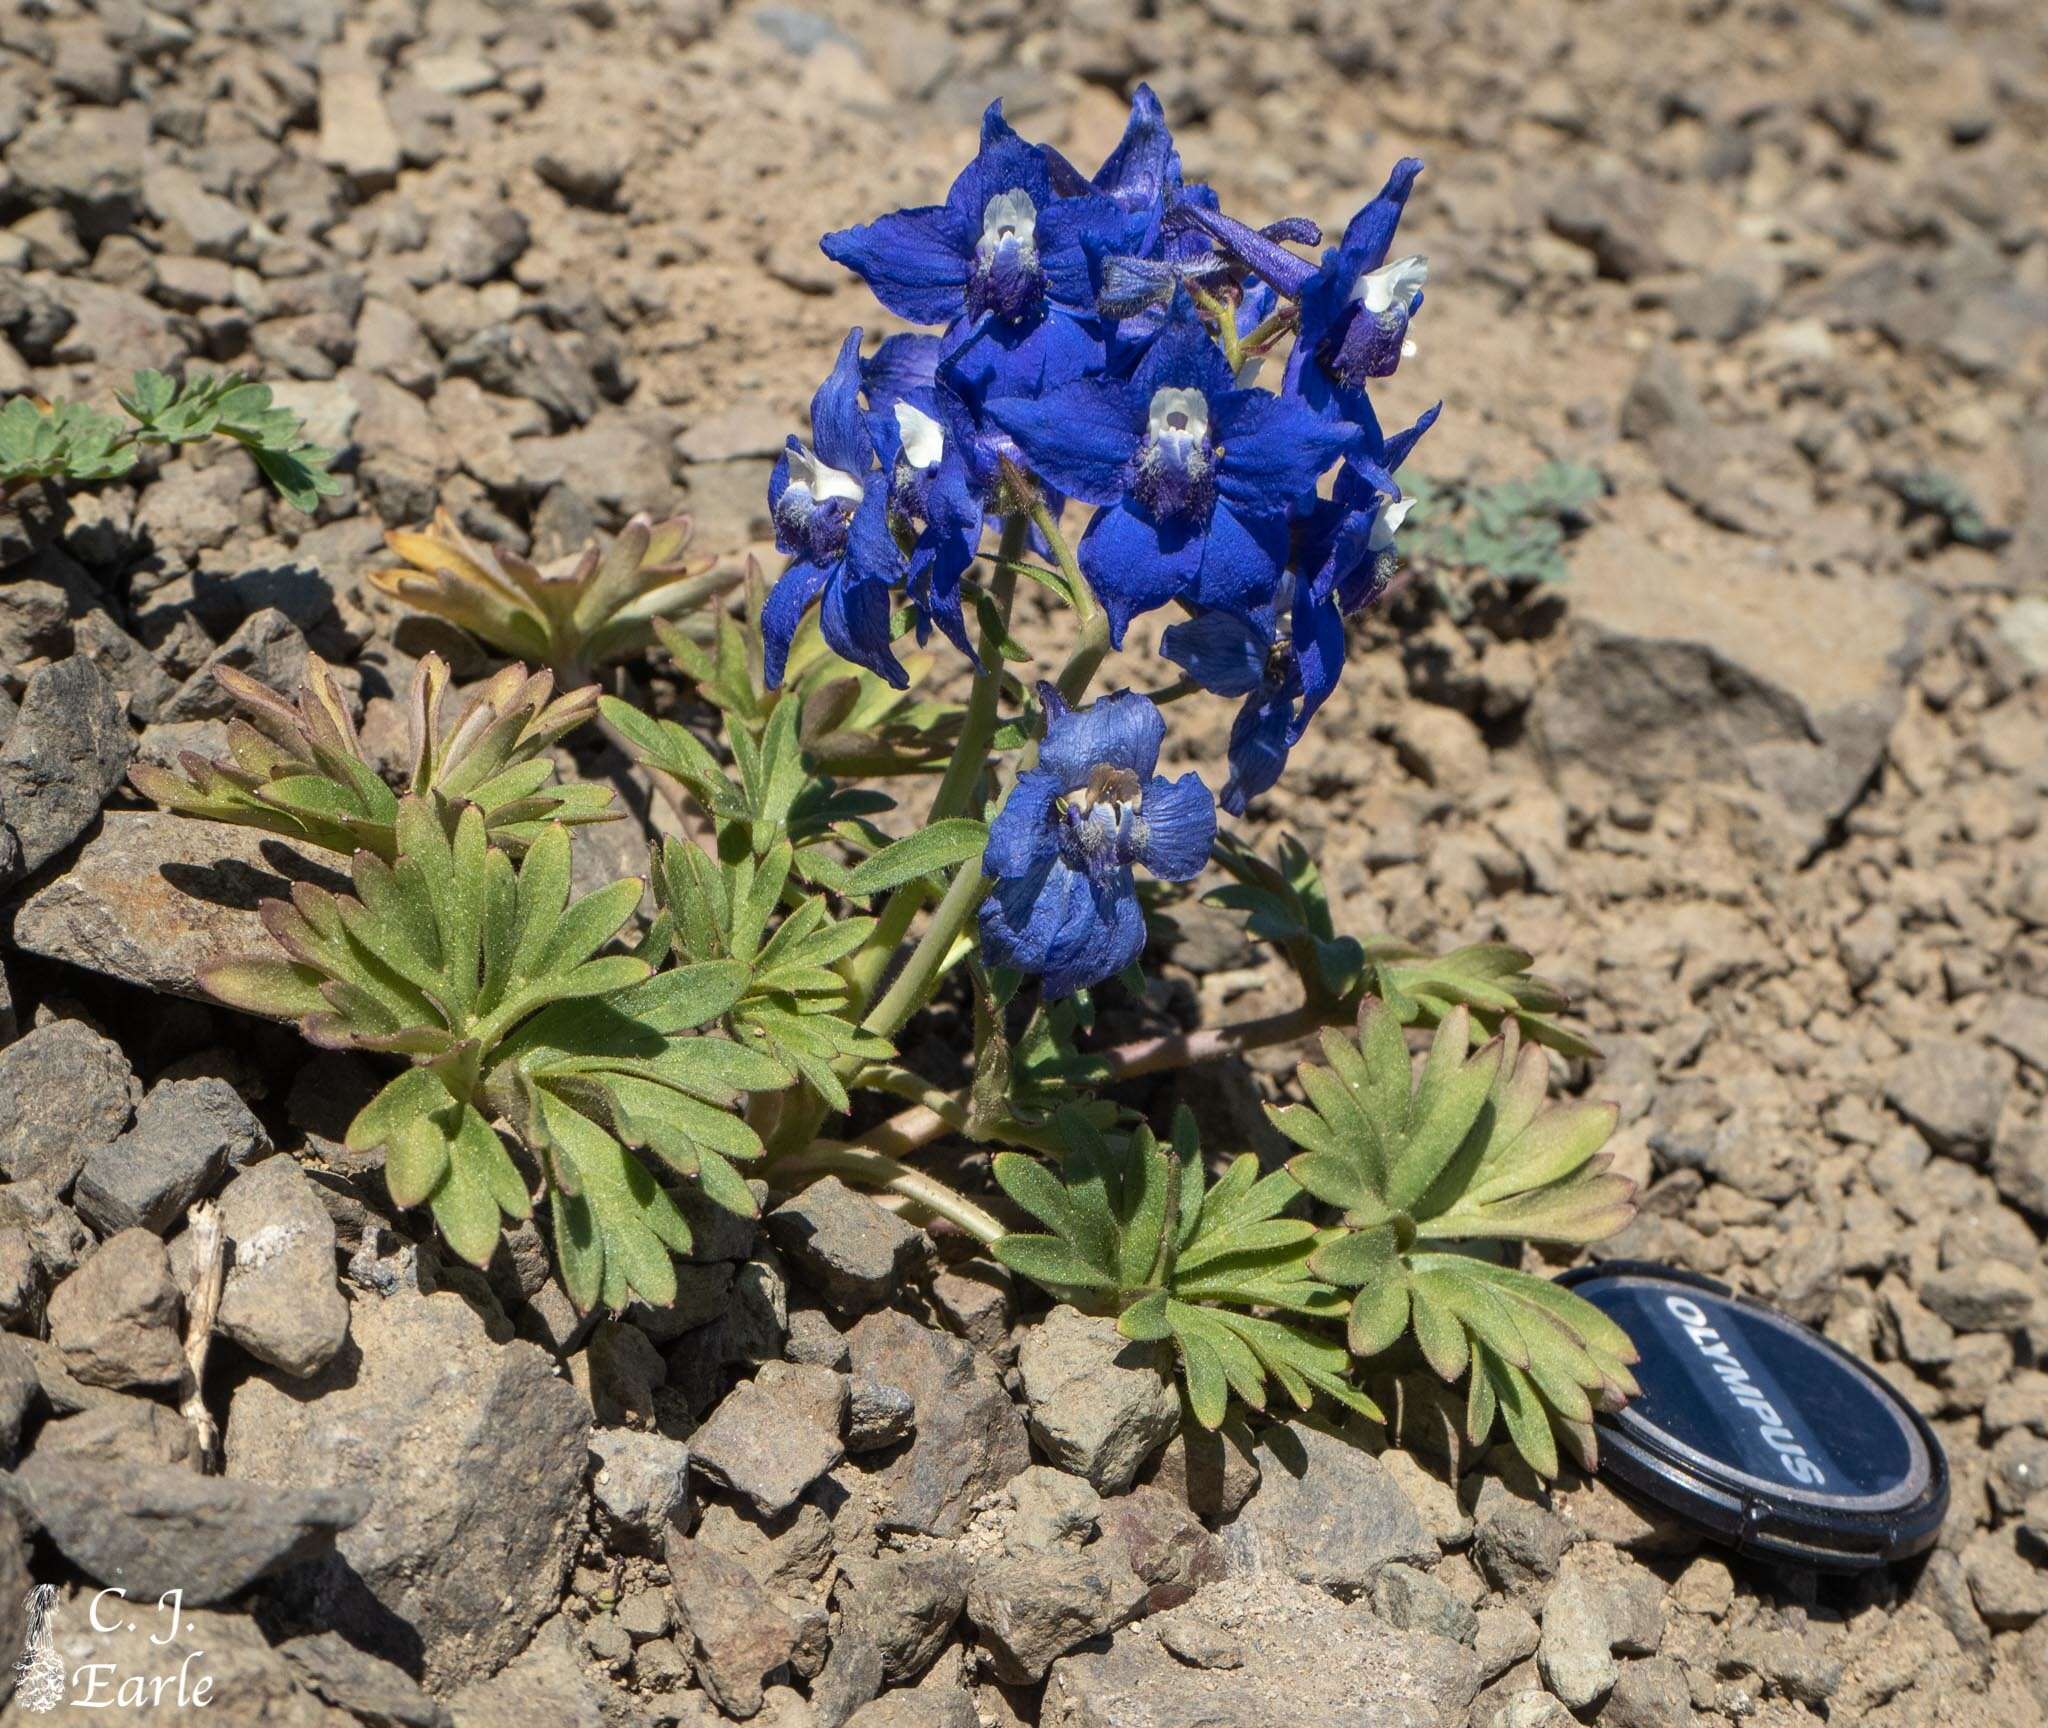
(1468, 1148)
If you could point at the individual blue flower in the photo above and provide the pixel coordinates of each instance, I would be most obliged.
(1285, 658)
(934, 509)
(1004, 250)
(831, 511)
(1064, 907)
(1194, 476)
(1356, 308)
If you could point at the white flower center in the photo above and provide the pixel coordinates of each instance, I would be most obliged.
(1392, 285)
(1179, 416)
(924, 439)
(1391, 516)
(1009, 216)
(820, 481)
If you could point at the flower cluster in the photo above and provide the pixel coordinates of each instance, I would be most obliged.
(1099, 339)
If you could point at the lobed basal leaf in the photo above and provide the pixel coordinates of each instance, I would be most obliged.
(1134, 1229)
(1465, 1150)
(500, 989)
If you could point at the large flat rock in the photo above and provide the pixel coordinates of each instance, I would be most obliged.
(1694, 664)
(154, 897)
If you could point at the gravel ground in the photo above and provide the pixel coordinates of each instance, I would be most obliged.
(1761, 783)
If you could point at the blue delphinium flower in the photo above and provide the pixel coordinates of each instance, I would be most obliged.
(831, 510)
(1195, 476)
(1285, 658)
(1355, 310)
(1005, 254)
(1064, 908)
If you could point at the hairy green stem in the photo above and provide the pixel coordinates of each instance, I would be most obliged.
(913, 985)
(956, 790)
(877, 1169)
(1086, 660)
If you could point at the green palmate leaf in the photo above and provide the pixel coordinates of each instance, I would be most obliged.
(299, 769)
(1467, 1148)
(1135, 1230)
(498, 985)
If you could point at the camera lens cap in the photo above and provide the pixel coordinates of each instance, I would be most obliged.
(1758, 1431)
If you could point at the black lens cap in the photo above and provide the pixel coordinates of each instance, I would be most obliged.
(1758, 1431)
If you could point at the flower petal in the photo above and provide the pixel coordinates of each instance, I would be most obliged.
(1144, 163)
(1240, 561)
(1135, 563)
(1179, 818)
(783, 610)
(1080, 438)
(1020, 838)
(839, 432)
(914, 260)
(1222, 652)
(903, 363)
(1258, 749)
(1121, 730)
(1319, 657)
(1371, 232)
(1063, 929)
(1183, 356)
(1275, 448)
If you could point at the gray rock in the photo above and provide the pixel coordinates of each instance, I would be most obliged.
(281, 1301)
(736, 1634)
(586, 165)
(1051, 1509)
(1518, 1542)
(1030, 1608)
(266, 645)
(373, 1691)
(785, 1554)
(524, 359)
(356, 133)
(550, 1681)
(773, 1436)
(1098, 1404)
(1768, 691)
(970, 1440)
(473, 1454)
(938, 1707)
(153, 1528)
(1981, 1295)
(186, 1134)
(1575, 1653)
(1650, 1694)
(63, 1090)
(65, 753)
(906, 1604)
(115, 1319)
(1328, 1513)
(126, 1430)
(857, 1254)
(21, 1390)
(1212, 1473)
(21, 1282)
(15, 1582)
(193, 220)
(1952, 1090)
(1416, 1602)
(1613, 215)
(1503, 1636)
(56, 1237)
(641, 1483)
(153, 898)
(878, 1415)
(1272, 1652)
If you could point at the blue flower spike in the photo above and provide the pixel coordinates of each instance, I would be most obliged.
(1061, 851)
